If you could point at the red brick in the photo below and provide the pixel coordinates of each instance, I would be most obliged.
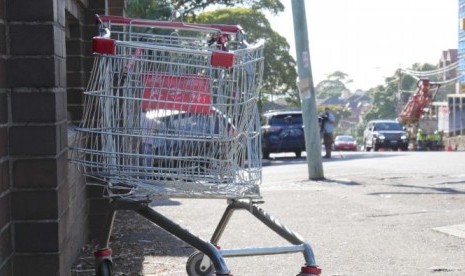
(3, 108)
(40, 72)
(34, 205)
(3, 72)
(35, 11)
(2, 41)
(74, 96)
(3, 141)
(35, 140)
(35, 173)
(32, 39)
(47, 264)
(38, 107)
(2, 16)
(35, 237)
(4, 176)
(6, 250)
(5, 210)
(6, 269)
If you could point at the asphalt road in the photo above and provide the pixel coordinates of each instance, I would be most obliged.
(386, 213)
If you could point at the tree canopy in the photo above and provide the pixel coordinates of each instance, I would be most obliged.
(390, 98)
(280, 67)
(334, 85)
(149, 9)
(280, 73)
(160, 9)
(193, 7)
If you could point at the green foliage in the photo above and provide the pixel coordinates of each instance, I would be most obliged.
(193, 7)
(279, 76)
(334, 85)
(390, 98)
(280, 73)
(339, 112)
(384, 104)
(162, 9)
(409, 83)
(149, 9)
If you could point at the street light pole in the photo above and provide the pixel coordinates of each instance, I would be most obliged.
(307, 92)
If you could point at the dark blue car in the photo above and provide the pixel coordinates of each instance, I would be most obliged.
(282, 131)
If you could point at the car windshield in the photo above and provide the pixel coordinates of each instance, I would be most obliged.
(286, 119)
(345, 138)
(387, 126)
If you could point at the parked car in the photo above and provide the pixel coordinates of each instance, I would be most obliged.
(282, 131)
(188, 140)
(345, 142)
(386, 134)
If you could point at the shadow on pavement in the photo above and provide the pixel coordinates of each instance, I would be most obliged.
(132, 239)
(427, 189)
(337, 156)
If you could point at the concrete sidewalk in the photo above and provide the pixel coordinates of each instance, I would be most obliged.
(375, 214)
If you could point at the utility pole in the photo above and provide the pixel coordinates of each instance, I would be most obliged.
(307, 92)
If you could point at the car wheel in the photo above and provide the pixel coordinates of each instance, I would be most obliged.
(298, 154)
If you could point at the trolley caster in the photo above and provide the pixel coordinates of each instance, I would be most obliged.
(309, 271)
(103, 263)
(104, 268)
(199, 265)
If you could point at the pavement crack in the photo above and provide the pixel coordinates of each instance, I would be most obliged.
(396, 214)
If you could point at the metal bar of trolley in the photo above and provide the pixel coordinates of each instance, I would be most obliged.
(299, 244)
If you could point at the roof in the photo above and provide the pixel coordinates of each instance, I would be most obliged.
(384, 121)
(279, 112)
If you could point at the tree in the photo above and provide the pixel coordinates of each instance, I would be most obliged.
(334, 85)
(280, 73)
(384, 106)
(149, 9)
(162, 9)
(193, 7)
(409, 83)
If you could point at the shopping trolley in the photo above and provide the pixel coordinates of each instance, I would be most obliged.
(171, 111)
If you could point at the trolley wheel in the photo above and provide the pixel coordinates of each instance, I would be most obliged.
(104, 268)
(194, 266)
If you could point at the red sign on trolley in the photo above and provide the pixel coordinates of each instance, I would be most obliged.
(190, 93)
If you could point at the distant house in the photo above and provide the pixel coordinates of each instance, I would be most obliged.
(448, 57)
(356, 103)
(334, 100)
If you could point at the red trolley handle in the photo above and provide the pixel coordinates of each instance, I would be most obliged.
(226, 29)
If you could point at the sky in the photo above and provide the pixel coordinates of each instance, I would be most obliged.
(370, 39)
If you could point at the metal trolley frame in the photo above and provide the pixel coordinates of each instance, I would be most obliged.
(171, 111)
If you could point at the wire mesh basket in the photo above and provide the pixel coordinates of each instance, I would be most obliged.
(171, 110)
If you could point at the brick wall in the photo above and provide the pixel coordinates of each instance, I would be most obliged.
(37, 136)
(6, 251)
(44, 210)
(43, 201)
